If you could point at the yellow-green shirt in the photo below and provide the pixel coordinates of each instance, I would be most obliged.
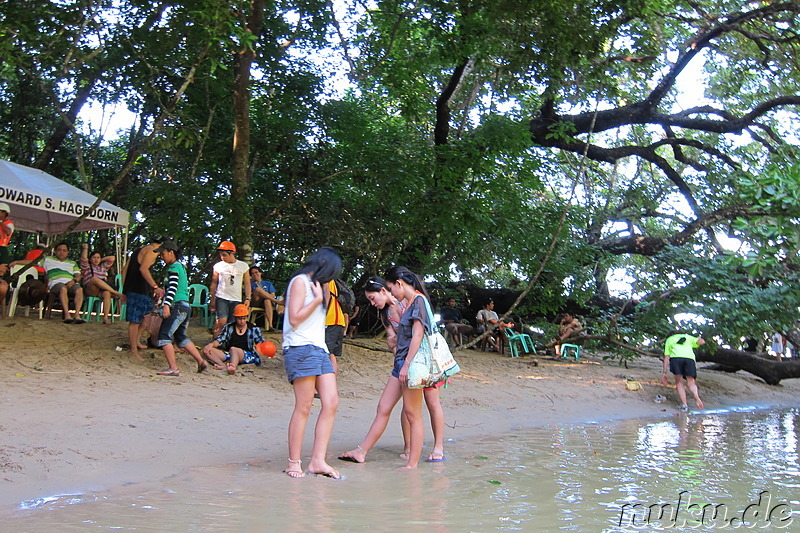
(681, 345)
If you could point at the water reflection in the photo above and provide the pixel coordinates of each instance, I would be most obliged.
(630, 475)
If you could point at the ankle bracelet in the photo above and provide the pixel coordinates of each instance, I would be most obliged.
(295, 461)
(359, 448)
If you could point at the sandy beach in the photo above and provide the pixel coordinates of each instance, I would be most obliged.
(77, 415)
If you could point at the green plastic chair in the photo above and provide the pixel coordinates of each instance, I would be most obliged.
(523, 339)
(574, 348)
(198, 299)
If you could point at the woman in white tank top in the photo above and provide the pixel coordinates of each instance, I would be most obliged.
(307, 360)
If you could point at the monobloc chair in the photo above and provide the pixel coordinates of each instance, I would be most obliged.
(523, 339)
(574, 348)
(94, 304)
(198, 299)
(255, 312)
(29, 273)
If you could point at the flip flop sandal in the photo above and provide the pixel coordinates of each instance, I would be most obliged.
(171, 373)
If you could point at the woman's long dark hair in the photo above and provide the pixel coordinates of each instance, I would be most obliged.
(401, 272)
(322, 266)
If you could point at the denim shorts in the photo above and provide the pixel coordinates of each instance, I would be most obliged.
(137, 306)
(250, 358)
(174, 327)
(225, 309)
(306, 360)
(683, 366)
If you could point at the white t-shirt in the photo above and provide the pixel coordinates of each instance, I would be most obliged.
(229, 282)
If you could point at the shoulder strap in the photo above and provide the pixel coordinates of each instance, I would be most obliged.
(431, 320)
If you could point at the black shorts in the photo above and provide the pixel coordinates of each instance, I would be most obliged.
(683, 366)
(334, 335)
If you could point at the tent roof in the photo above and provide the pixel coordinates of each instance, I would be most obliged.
(41, 202)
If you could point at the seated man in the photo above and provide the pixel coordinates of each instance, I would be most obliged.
(569, 327)
(486, 318)
(454, 322)
(63, 280)
(236, 343)
(263, 295)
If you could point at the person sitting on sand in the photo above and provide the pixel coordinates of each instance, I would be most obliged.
(679, 358)
(176, 311)
(94, 278)
(236, 343)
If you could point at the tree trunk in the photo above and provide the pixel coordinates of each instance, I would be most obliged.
(65, 125)
(767, 368)
(240, 214)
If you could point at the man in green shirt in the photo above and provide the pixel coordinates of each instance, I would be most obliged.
(679, 358)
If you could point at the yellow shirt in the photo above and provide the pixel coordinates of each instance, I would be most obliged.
(335, 316)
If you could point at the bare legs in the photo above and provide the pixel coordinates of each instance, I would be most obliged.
(304, 389)
(389, 398)
(63, 296)
(217, 357)
(98, 287)
(437, 422)
(135, 332)
(691, 384)
(191, 349)
(412, 409)
(436, 413)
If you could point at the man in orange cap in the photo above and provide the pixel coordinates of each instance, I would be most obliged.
(236, 343)
(230, 277)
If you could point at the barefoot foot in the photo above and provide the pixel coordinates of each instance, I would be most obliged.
(231, 369)
(323, 469)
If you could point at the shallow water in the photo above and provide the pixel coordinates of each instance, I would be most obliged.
(632, 475)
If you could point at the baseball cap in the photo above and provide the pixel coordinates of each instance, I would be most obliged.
(4, 207)
(167, 245)
(226, 246)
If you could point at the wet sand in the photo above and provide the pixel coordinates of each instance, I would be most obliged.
(79, 416)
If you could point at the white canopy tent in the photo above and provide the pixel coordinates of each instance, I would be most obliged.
(42, 203)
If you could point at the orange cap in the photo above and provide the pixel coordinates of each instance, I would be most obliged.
(226, 246)
(241, 310)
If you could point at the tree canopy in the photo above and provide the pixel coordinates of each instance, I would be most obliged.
(464, 139)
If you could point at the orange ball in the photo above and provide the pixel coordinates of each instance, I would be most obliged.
(266, 348)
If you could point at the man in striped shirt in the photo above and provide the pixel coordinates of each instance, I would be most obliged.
(63, 281)
(176, 311)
